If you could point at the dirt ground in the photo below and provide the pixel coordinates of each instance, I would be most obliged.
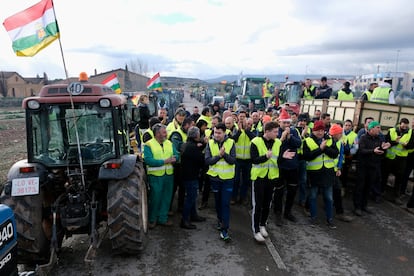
(12, 139)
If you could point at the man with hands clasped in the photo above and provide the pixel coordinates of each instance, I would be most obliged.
(159, 156)
(370, 153)
(220, 156)
(319, 150)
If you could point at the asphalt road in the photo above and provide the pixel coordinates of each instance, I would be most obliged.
(378, 244)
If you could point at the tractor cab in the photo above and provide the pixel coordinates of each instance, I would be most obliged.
(290, 96)
(94, 120)
(251, 93)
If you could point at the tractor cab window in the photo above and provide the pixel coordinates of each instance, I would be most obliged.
(56, 131)
(292, 93)
(254, 89)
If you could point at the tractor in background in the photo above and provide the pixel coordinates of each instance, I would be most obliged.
(8, 242)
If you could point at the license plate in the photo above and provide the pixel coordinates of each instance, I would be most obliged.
(257, 101)
(25, 186)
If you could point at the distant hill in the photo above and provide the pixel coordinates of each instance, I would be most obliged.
(278, 77)
(180, 81)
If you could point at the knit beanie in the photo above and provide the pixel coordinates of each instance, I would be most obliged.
(335, 129)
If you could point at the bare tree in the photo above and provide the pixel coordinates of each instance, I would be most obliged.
(139, 66)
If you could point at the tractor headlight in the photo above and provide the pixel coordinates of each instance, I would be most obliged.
(104, 103)
(33, 104)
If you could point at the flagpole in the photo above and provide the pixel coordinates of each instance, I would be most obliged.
(60, 44)
(72, 104)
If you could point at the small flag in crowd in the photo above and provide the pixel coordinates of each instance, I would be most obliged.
(33, 29)
(112, 81)
(155, 83)
(134, 100)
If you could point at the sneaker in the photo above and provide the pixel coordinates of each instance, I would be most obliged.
(224, 235)
(313, 222)
(343, 217)
(331, 225)
(290, 217)
(187, 225)
(197, 218)
(259, 237)
(202, 206)
(398, 201)
(263, 231)
(358, 212)
(368, 211)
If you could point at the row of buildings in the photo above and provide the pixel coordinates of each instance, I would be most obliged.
(13, 85)
(401, 81)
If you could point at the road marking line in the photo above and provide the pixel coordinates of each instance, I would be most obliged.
(275, 255)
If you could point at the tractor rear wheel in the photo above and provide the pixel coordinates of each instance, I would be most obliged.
(127, 212)
(32, 244)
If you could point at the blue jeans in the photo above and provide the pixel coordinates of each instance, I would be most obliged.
(327, 198)
(242, 180)
(191, 190)
(222, 190)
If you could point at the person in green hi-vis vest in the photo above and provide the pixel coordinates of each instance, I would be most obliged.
(159, 156)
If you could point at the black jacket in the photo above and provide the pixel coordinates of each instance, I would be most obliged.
(192, 160)
(144, 116)
(324, 92)
(366, 155)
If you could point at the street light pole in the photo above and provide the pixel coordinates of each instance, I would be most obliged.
(396, 62)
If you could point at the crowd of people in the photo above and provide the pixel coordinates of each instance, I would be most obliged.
(268, 160)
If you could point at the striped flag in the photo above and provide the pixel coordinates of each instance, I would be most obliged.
(112, 81)
(33, 29)
(134, 100)
(155, 83)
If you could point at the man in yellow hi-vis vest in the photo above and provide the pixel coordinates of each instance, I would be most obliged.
(267, 90)
(242, 140)
(319, 151)
(159, 156)
(265, 155)
(220, 156)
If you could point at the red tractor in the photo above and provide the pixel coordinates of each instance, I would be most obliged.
(79, 177)
(290, 95)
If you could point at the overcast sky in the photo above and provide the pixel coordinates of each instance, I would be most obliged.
(206, 39)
